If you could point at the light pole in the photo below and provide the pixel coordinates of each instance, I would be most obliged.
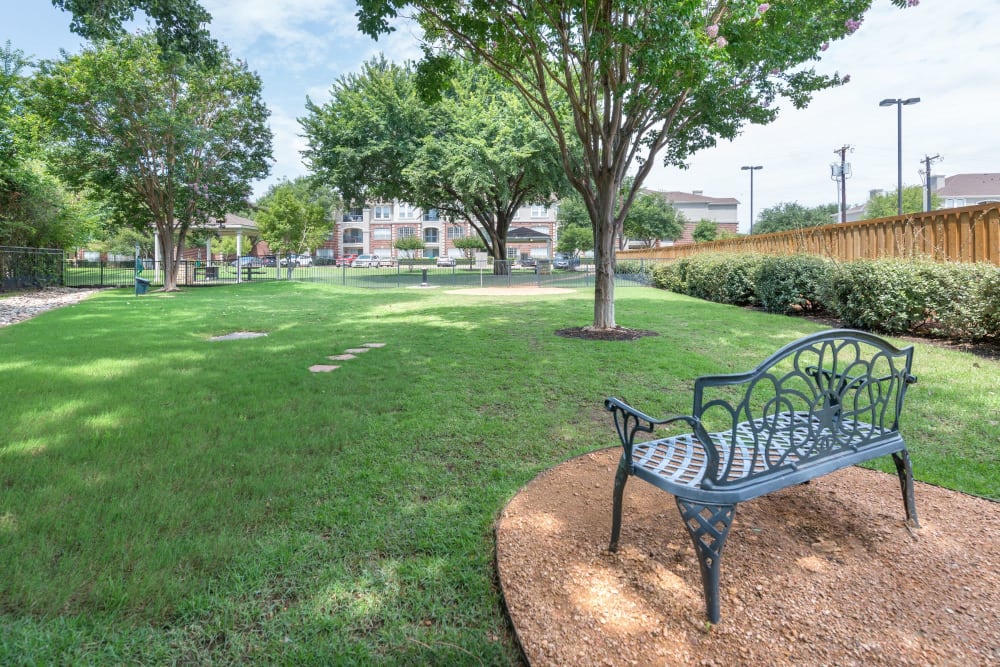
(900, 103)
(751, 169)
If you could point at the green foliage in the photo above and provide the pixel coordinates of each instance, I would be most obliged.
(180, 24)
(408, 244)
(887, 205)
(792, 215)
(918, 296)
(293, 218)
(705, 230)
(573, 213)
(652, 218)
(793, 284)
(168, 141)
(469, 245)
(622, 85)
(573, 240)
(720, 277)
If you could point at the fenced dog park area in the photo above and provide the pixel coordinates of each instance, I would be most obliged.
(174, 494)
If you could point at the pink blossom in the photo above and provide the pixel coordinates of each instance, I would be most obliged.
(712, 31)
(846, 79)
(824, 46)
(852, 25)
(721, 42)
(912, 3)
(763, 7)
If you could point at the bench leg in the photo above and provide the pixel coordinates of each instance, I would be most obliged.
(708, 526)
(905, 472)
(616, 507)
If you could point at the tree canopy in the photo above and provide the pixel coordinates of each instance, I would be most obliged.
(474, 153)
(652, 218)
(793, 215)
(164, 141)
(180, 24)
(887, 205)
(618, 84)
(294, 217)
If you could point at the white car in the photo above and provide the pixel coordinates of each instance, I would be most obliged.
(304, 260)
(446, 261)
(367, 261)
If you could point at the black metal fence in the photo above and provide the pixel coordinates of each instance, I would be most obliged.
(404, 274)
(23, 268)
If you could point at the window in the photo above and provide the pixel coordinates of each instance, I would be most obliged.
(407, 232)
(456, 232)
(382, 234)
(539, 210)
(353, 236)
(407, 212)
(431, 235)
(431, 215)
(513, 253)
(383, 212)
(354, 215)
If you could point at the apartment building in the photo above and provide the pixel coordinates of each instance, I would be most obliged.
(376, 229)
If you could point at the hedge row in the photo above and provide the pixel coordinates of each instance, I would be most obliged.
(890, 296)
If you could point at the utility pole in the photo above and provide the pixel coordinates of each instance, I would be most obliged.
(841, 173)
(928, 161)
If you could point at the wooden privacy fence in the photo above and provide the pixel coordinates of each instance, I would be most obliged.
(968, 234)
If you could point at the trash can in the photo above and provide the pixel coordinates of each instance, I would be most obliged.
(141, 285)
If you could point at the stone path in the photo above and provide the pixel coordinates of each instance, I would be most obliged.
(350, 353)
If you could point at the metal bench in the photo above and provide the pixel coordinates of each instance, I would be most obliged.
(817, 405)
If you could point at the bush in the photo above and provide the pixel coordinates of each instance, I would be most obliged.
(793, 285)
(877, 295)
(719, 277)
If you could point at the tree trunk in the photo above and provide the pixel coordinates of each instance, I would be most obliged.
(603, 219)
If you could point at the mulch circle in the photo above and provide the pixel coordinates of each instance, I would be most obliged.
(823, 573)
(617, 333)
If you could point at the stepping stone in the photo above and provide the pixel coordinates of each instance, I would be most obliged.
(356, 350)
(341, 357)
(373, 345)
(322, 368)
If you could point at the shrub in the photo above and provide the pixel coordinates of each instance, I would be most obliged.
(793, 284)
(875, 295)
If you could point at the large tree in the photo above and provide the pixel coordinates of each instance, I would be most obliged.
(793, 215)
(641, 79)
(293, 217)
(474, 153)
(652, 218)
(166, 141)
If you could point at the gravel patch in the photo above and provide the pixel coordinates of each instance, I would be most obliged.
(25, 305)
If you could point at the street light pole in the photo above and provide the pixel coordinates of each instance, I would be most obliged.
(900, 103)
(751, 169)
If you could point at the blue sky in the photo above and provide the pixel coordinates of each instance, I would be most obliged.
(947, 52)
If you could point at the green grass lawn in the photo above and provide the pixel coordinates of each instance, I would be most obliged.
(167, 499)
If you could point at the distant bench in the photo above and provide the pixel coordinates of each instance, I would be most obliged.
(822, 403)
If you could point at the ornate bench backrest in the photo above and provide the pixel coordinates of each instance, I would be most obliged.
(831, 391)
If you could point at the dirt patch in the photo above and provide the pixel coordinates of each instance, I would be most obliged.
(615, 333)
(825, 573)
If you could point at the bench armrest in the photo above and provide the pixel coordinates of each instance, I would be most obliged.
(629, 421)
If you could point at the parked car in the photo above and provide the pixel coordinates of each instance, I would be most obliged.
(367, 261)
(528, 262)
(304, 260)
(246, 261)
(446, 261)
(346, 260)
(269, 260)
(560, 262)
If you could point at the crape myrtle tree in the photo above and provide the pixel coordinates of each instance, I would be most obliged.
(640, 78)
(473, 151)
(166, 140)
